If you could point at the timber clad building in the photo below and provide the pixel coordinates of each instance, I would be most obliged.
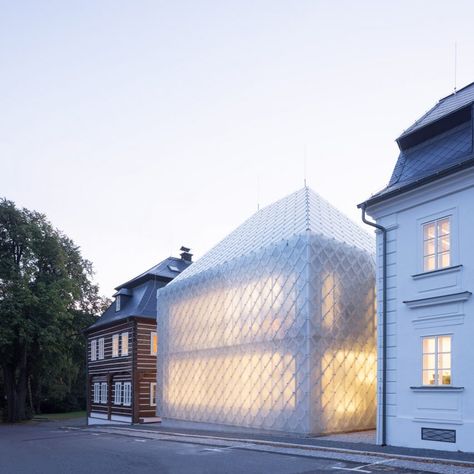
(122, 347)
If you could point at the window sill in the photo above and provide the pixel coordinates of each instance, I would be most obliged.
(437, 388)
(441, 271)
(442, 299)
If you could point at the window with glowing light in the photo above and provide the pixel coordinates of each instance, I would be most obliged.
(437, 360)
(115, 345)
(125, 344)
(153, 343)
(437, 244)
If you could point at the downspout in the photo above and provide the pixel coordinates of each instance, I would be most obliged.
(384, 322)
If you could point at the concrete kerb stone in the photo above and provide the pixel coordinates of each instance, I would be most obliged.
(246, 443)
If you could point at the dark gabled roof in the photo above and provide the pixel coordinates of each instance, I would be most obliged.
(438, 144)
(165, 270)
(138, 295)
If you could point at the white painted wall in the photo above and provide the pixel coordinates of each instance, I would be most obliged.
(408, 409)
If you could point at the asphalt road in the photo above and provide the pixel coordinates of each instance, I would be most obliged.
(46, 448)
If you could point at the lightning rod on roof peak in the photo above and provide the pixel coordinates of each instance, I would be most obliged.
(455, 65)
(304, 165)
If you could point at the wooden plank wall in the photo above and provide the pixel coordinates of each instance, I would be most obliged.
(139, 368)
(110, 369)
(146, 367)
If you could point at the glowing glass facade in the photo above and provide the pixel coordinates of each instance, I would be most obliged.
(274, 328)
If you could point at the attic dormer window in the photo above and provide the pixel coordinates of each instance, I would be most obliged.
(117, 303)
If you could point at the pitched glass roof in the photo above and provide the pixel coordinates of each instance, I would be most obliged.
(293, 215)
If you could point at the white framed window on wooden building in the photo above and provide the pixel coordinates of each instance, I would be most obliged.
(115, 345)
(125, 344)
(153, 343)
(96, 395)
(101, 348)
(94, 349)
(437, 360)
(103, 392)
(153, 394)
(127, 393)
(437, 244)
(118, 393)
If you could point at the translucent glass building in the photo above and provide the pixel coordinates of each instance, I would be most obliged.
(274, 328)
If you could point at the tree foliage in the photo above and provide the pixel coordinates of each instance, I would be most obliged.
(46, 298)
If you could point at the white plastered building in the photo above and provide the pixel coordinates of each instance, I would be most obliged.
(274, 328)
(425, 377)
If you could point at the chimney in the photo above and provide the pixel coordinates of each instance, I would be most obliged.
(185, 255)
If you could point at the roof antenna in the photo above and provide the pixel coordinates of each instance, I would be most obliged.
(455, 65)
(258, 193)
(304, 165)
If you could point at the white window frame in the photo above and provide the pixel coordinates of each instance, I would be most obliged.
(152, 336)
(127, 394)
(115, 345)
(101, 349)
(124, 336)
(118, 303)
(118, 393)
(153, 392)
(437, 253)
(96, 397)
(436, 355)
(94, 350)
(103, 393)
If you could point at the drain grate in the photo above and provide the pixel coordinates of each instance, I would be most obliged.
(434, 434)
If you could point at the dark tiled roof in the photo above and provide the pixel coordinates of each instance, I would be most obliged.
(431, 156)
(165, 270)
(142, 290)
(445, 106)
(440, 143)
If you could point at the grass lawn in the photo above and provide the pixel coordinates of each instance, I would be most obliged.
(62, 416)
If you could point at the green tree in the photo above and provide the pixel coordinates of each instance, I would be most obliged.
(46, 298)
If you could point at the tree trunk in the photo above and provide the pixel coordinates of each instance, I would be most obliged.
(16, 388)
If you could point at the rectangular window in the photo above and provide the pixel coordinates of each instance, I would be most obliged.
(101, 348)
(437, 244)
(153, 343)
(153, 394)
(127, 393)
(125, 344)
(97, 392)
(103, 392)
(115, 345)
(94, 350)
(437, 360)
(118, 393)
(117, 303)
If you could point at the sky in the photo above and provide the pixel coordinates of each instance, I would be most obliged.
(140, 126)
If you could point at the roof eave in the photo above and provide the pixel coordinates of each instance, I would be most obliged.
(420, 182)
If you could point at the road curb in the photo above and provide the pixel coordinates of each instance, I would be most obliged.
(279, 444)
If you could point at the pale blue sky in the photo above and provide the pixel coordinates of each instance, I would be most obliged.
(139, 126)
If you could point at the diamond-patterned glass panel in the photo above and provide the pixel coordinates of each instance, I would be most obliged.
(281, 337)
